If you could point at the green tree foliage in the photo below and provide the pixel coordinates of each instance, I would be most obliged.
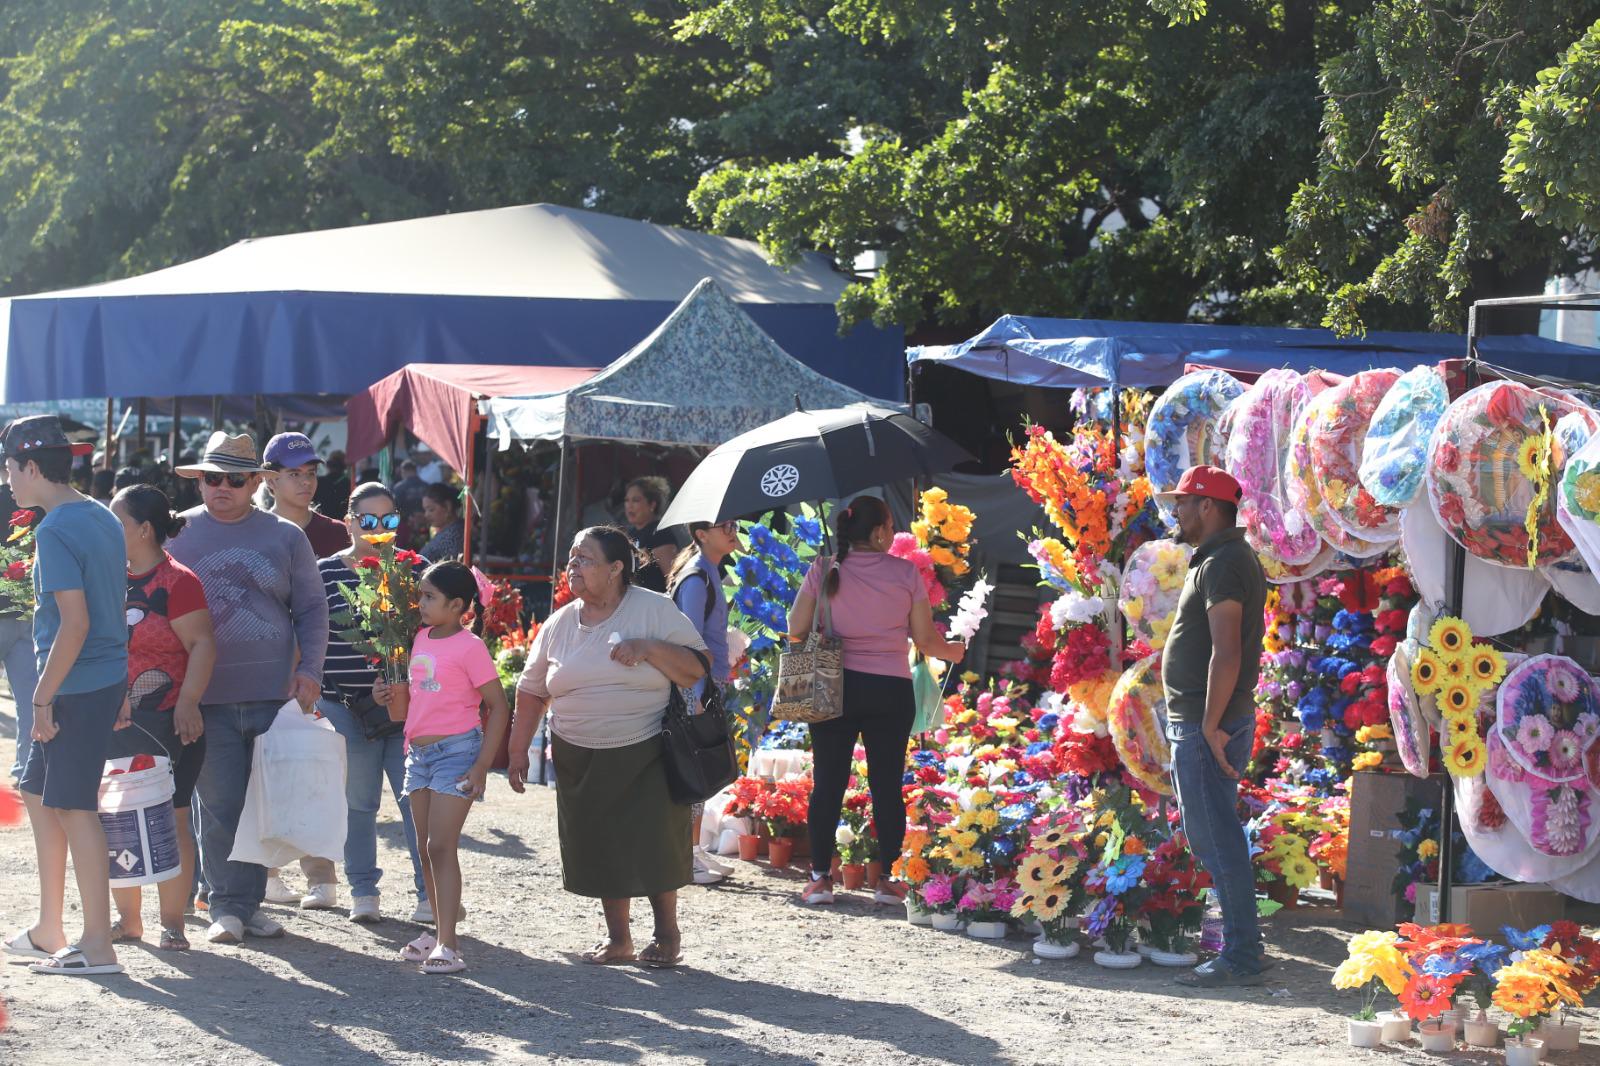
(1407, 216)
(1553, 164)
(136, 133)
(1123, 159)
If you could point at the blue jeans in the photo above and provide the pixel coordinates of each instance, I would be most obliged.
(367, 763)
(1208, 800)
(236, 888)
(22, 670)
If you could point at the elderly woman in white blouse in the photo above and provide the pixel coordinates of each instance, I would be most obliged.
(603, 666)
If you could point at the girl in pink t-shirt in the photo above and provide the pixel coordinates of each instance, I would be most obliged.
(448, 752)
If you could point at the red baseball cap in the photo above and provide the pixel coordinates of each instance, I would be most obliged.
(1207, 481)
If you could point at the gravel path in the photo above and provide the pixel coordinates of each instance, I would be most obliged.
(767, 982)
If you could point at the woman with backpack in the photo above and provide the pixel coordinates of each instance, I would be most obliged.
(695, 585)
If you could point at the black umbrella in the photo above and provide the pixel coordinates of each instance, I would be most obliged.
(811, 455)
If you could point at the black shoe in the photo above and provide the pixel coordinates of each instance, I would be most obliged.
(1218, 974)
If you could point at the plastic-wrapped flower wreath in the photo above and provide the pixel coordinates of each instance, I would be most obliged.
(1182, 431)
(1394, 453)
(1304, 490)
(1151, 584)
(1137, 719)
(1257, 453)
(1345, 411)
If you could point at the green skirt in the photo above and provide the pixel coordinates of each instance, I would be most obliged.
(621, 834)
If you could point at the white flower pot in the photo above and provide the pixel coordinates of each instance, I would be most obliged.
(1172, 958)
(1112, 960)
(987, 930)
(1044, 949)
(944, 922)
(1439, 1035)
(916, 915)
(1481, 1032)
(1144, 949)
(1457, 1017)
(1560, 1036)
(1365, 1034)
(1396, 1026)
(1527, 1051)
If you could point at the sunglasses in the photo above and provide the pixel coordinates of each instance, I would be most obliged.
(235, 481)
(369, 522)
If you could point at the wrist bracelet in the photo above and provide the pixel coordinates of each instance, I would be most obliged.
(46, 703)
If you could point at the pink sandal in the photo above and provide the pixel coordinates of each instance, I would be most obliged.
(418, 949)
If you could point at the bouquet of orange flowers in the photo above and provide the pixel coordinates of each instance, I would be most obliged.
(944, 530)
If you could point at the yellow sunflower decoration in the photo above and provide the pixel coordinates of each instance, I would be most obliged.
(1450, 636)
(1466, 757)
(1457, 699)
(1459, 728)
(1487, 666)
(1426, 671)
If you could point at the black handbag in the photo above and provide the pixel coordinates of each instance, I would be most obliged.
(698, 748)
(373, 717)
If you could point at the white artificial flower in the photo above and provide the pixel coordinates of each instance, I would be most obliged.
(971, 611)
(1074, 609)
(844, 836)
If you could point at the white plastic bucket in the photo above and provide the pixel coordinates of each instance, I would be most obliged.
(141, 828)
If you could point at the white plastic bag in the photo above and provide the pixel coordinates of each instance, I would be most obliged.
(294, 805)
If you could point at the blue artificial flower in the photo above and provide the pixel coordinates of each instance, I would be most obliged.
(809, 530)
(760, 643)
(761, 538)
(1124, 874)
(751, 570)
(1048, 722)
(1446, 965)
(1312, 717)
(1099, 918)
(1527, 941)
(1038, 746)
(1488, 958)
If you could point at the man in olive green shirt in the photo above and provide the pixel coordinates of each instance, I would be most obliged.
(1209, 669)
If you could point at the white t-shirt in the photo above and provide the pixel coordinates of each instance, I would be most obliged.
(595, 701)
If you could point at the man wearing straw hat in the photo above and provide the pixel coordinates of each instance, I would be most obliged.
(81, 638)
(1209, 668)
(271, 621)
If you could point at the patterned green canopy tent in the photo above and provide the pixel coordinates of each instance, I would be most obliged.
(705, 375)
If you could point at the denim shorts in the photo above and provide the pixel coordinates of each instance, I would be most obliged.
(442, 766)
(65, 771)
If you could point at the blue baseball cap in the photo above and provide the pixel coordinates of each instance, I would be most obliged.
(290, 451)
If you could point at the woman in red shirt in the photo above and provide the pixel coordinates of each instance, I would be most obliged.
(170, 654)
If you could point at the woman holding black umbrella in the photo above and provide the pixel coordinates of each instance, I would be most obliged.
(878, 606)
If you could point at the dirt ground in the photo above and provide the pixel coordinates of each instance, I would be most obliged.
(766, 981)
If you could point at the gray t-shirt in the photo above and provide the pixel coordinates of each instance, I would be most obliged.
(267, 602)
(1223, 568)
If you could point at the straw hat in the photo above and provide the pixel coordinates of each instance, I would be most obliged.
(225, 455)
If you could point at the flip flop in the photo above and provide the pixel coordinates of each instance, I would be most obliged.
(418, 949)
(173, 940)
(22, 946)
(120, 935)
(70, 962)
(659, 961)
(596, 956)
(443, 960)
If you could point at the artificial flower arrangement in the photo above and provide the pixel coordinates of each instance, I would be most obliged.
(1051, 877)
(781, 810)
(944, 530)
(380, 617)
(1458, 673)
(1374, 963)
(1417, 858)
(1115, 883)
(16, 563)
(1175, 904)
(855, 836)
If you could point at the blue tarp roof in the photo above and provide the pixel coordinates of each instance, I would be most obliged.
(1073, 352)
(336, 310)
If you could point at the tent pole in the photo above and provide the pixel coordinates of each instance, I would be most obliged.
(216, 413)
(139, 433)
(177, 432)
(474, 425)
(488, 497)
(111, 416)
(557, 561)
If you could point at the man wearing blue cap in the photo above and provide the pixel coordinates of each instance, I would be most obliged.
(291, 462)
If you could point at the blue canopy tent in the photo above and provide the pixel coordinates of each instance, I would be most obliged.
(331, 312)
(1070, 353)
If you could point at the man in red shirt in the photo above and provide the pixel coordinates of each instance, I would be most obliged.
(291, 462)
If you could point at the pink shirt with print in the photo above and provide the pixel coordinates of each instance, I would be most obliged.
(445, 678)
(871, 610)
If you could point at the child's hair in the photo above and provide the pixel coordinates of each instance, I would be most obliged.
(455, 581)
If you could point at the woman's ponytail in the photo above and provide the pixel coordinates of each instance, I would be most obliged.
(855, 525)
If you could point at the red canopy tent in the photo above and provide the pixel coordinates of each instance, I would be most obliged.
(438, 402)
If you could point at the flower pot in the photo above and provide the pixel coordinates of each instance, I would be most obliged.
(1560, 1036)
(1285, 893)
(944, 922)
(1481, 1032)
(1172, 958)
(874, 872)
(1046, 949)
(1457, 1017)
(1143, 949)
(853, 875)
(1118, 960)
(780, 850)
(1325, 881)
(1439, 1035)
(749, 846)
(1365, 1034)
(1524, 1051)
(399, 701)
(987, 930)
(916, 915)
(1396, 1026)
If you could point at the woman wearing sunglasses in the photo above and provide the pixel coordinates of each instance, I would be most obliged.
(374, 746)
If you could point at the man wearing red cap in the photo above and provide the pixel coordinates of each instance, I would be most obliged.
(1209, 668)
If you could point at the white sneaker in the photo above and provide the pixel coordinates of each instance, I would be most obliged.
(262, 926)
(226, 930)
(364, 909)
(711, 862)
(278, 892)
(703, 876)
(320, 898)
(423, 915)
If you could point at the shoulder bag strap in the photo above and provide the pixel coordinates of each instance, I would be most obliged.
(823, 618)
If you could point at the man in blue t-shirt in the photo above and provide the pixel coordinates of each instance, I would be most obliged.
(80, 635)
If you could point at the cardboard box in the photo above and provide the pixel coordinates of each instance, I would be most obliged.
(1376, 802)
(1489, 907)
